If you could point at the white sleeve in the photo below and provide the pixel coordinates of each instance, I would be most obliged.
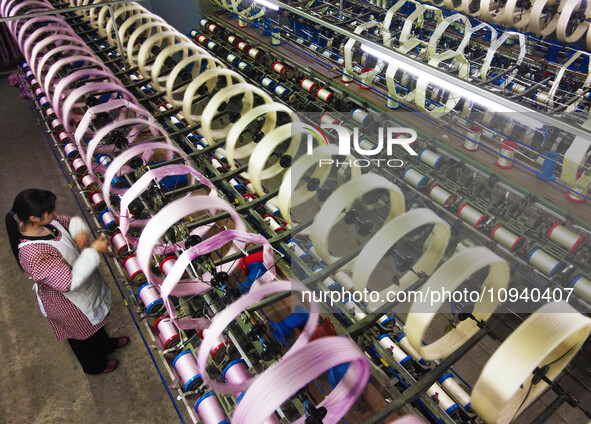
(77, 226)
(85, 264)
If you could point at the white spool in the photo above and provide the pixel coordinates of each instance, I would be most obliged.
(276, 36)
(309, 85)
(565, 237)
(439, 195)
(393, 348)
(449, 277)
(452, 387)
(506, 237)
(582, 287)
(381, 243)
(429, 157)
(472, 133)
(402, 340)
(543, 261)
(328, 120)
(507, 152)
(414, 178)
(551, 336)
(471, 215)
(325, 95)
(445, 402)
(279, 68)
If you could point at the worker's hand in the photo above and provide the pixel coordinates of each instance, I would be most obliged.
(100, 244)
(81, 239)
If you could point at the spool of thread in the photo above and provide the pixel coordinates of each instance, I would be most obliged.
(242, 23)
(103, 159)
(64, 138)
(360, 116)
(473, 134)
(108, 219)
(168, 334)
(276, 36)
(222, 343)
(88, 183)
(267, 82)
(393, 348)
(255, 53)
(232, 39)
(71, 151)
(445, 402)
(328, 120)
(431, 158)
(242, 45)
(119, 244)
(471, 215)
(415, 178)
(386, 321)
(271, 220)
(452, 387)
(132, 267)
(232, 58)
(243, 66)
(186, 367)
(79, 166)
(507, 152)
(506, 237)
(325, 95)
(582, 287)
(209, 410)
(565, 237)
(97, 200)
(574, 196)
(279, 68)
(542, 261)
(166, 264)
(236, 372)
(281, 91)
(309, 85)
(439, 195)
(150, 297)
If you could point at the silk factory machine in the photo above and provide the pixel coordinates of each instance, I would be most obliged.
(336, 211)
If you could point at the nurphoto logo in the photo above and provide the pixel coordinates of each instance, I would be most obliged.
(349, 139)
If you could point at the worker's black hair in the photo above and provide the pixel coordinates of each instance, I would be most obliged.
(28, 203)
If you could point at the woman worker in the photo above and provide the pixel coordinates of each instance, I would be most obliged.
(70, 291)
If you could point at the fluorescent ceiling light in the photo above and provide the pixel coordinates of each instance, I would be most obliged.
(267, 4)
(490, 105)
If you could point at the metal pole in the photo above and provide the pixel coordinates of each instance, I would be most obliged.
(438, 73)
(119, 43)
(65, 10)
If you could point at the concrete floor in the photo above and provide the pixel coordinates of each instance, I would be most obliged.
(41, 380)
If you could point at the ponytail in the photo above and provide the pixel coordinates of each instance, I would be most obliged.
(28, 203)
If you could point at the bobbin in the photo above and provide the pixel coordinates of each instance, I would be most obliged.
(440, 195)
(119, 244)
(150, 297)
(473, 133)
(431, 158)
(544, 262)
(186, 367)
(471, 215)
(209, 409)
(506, 237)
(168, 334)
(507, 152)
(133, 269)
(566, 238)
(415, 178)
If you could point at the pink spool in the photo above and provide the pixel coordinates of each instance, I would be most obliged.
(186, 367)
(209, 409)
(71, 151)
(64, 138)
(119, 244)
(79, 165)
(88, 182)
(168, 334)
(132, 267)
(150, 297)
(218, 353)
(236, 372)
(96, 198)
(166, 264)
(107, 217)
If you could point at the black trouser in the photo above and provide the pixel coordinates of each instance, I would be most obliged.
(92, 352)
